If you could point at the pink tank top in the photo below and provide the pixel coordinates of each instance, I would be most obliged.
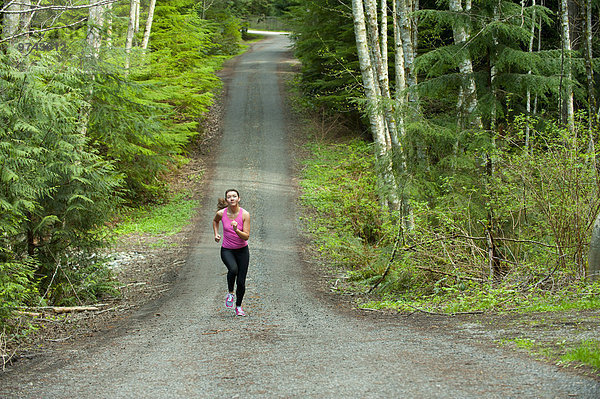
(230, 239)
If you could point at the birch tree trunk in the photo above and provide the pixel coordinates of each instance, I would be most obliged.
(376, 119)
(26, 17)
(137, 18)
(10, 22)
(405, 26)
(569, 108)
(130, 33)
(149, 20)
(109, 24)
(589, 62)
(400, 72)
(467, 102)
(528, 99)
(374, 112)
(95, 25)
(378, 47)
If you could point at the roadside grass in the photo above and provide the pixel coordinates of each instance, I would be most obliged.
(563, 352)
(587, 352)
(162, 220)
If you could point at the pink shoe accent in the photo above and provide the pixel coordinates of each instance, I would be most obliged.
(239, 311)
(229, 300)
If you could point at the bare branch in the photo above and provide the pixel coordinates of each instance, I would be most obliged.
(33, 8)
(31, 32)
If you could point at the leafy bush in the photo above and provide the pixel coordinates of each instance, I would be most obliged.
(79, 278)
(536, 206)
(17, 287)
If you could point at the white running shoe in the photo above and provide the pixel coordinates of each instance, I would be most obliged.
(229, 300)
(239, 311)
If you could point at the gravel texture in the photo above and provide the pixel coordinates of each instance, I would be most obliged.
(296, 341)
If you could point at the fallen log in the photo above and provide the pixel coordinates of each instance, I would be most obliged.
(65, 309)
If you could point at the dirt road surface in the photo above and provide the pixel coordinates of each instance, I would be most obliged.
(294, 342)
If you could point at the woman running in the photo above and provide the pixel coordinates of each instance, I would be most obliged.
(234, 250)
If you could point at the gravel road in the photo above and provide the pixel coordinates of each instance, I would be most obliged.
(295, 342)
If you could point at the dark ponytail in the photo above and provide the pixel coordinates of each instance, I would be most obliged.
(221, 203)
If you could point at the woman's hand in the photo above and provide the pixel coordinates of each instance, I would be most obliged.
(217, 237)
(234, 224)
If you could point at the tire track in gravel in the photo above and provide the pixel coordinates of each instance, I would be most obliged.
(292, 344)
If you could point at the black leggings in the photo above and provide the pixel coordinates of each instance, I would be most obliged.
(237, 261)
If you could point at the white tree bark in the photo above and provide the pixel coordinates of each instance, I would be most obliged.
(26, 17)
(400, 72)
(130, 33)
(407, 34)
(374, 111)
(22, 11)
(400, 76)
(589, 60)
(109, 25)
(137, 17)
(567, 73)
(528, 99)
(95, 25)
(11, 21)
(467, 101)
(149, 20)
(370, 85)
(380, 69)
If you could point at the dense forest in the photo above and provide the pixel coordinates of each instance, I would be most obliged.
(472, 164)
(483, 122)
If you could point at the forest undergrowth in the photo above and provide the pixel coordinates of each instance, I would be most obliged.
(541, 205)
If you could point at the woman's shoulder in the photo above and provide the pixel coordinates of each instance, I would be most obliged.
(245, 213)
(220, 212)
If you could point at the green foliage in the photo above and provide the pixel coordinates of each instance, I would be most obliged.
(499, 37)
(324, 42)
(80, 278)
(537, 205)
(17, 286)
(55, 190)
(338, 184)
(131, 126)
(79, 133)
(588, 353)
(165, 219)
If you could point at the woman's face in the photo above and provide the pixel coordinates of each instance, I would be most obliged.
(232, 198)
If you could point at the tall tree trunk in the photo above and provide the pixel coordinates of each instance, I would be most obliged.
(566, 75)
(467, 102)
(26, 17)
(95, 25)
(148, 24)
(377, 43)
(370, 84)
(10, 22)
(593, 270)
(590, 81)
(400, 100)
(136, 28)
(406, 27)
(528, 99)
(109, 24)
(130, 33)
(400, 72)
